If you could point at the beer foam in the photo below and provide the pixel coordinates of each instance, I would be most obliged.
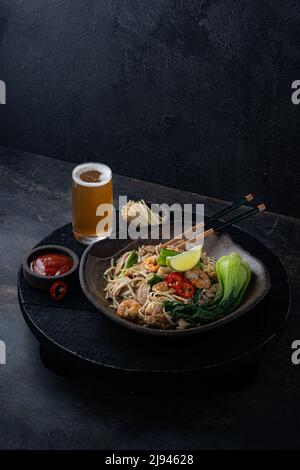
(93, 166)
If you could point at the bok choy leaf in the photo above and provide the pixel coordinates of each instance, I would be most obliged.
(233, 275)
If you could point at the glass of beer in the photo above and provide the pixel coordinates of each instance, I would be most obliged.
(91, 189)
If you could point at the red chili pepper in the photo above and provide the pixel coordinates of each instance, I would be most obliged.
(185, 289)
(173, 279)
(58, 290)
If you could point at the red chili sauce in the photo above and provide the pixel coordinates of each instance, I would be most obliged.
(51, 264)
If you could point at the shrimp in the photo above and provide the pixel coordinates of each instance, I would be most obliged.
(198, 278)
(150, 264)
(129, 309)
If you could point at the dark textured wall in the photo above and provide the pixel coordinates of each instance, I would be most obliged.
(159, 89)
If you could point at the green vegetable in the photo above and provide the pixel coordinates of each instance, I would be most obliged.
(130, 261)
(200, 265)
(197, 296)
(164, 252)
(233, 275)
(155, 279)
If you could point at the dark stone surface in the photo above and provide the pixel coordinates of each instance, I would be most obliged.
(42, 410)
(200, 87)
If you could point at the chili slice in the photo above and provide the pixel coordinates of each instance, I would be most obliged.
(173, 279)
(58, 290)
(185, 289)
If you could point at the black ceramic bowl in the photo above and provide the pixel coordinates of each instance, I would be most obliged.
(44, 282)
(97, 258)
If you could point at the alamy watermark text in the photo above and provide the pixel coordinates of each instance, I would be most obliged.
(2, 353)
(2, 92)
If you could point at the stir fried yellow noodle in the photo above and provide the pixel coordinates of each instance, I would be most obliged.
(135, 296)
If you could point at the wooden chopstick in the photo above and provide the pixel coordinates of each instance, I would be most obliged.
(239, 218)
(235, 205)
(222, 225)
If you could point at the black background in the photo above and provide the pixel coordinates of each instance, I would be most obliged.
(194, 94)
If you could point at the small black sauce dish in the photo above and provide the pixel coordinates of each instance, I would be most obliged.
(44, 282)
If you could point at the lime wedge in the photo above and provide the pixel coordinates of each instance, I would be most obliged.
(186, 260)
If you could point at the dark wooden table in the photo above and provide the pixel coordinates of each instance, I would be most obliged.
(42, 410)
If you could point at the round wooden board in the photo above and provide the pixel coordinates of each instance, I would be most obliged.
(79, 334)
